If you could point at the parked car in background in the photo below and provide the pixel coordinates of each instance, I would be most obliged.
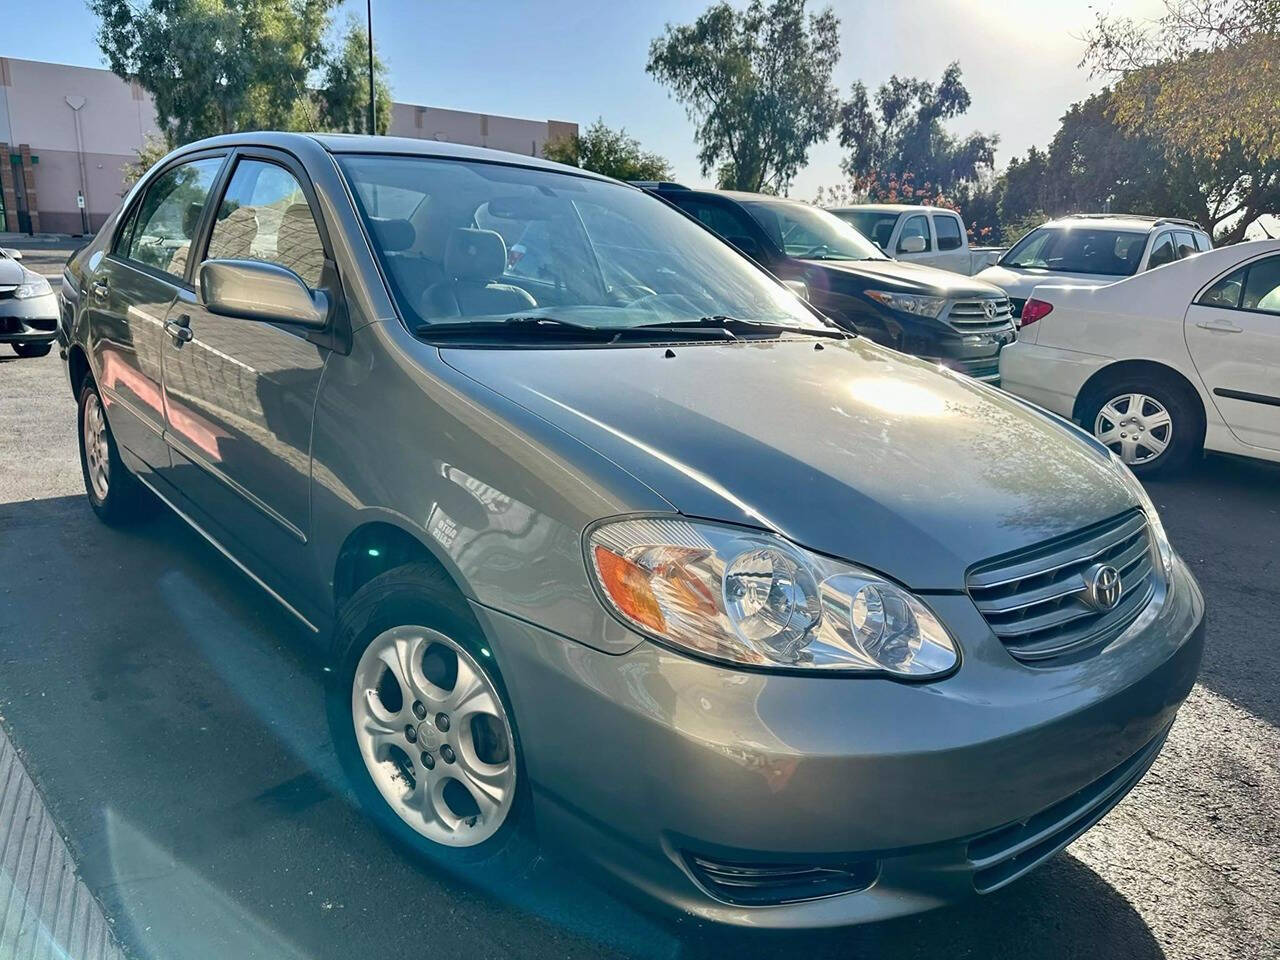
(1089, 249)
(639, 552)
(932, 236)
(28, 307)
(936, 314)
(1162, 365)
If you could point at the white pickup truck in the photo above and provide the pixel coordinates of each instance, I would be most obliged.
(933, 236)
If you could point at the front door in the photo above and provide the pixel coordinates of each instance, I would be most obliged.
(128, 293)
(1233, 333)
(239, 394)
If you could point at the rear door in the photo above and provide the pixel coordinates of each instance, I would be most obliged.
(1233, 333)
(129, 294)
(239, 394)
(732, 224)
(952, 253)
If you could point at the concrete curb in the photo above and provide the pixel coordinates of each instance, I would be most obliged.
(45, 909)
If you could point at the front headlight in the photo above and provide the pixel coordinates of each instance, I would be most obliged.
(34, 286)
(748, 597)
(915, 303)
(1159, 538)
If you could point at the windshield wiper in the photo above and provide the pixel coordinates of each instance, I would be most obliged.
(736, 325)
(523, 326)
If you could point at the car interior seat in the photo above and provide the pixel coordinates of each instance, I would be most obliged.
(474, 260)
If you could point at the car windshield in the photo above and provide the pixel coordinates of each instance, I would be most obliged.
(468, 246)
(810, 233)
(876, 225)
(1079, 249)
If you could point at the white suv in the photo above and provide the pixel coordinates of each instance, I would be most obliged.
(1092, 249)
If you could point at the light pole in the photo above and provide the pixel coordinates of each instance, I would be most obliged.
(75, 103)
(373, 110)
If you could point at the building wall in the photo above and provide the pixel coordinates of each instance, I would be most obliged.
(475, 129)
(117, 116)
(115, 119)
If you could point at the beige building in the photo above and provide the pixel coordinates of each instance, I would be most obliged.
(67, 132)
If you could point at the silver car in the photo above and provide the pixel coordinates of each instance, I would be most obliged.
(782, 627)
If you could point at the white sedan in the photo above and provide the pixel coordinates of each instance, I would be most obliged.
(1164, 364)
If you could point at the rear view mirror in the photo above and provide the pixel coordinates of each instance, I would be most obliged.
(523, 208)
(12, 253)
(912, 244)
(253, 290)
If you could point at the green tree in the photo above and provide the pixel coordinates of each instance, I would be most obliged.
(151, 152)
(757, 82)
(215, 66)
(343, 96)
(1095, 164)
(612, 153)
(902, 132)
(1201, 82)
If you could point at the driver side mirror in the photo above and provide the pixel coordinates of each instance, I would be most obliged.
(912, 244)
(253, 290)
(12, 253)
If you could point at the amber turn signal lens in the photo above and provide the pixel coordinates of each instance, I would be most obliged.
(628, 587)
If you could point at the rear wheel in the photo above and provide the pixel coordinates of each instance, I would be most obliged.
(1149, 423)
(421, 721)
(32, 350)
(114, 493)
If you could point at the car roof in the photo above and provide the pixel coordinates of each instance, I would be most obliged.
(889, 208)
(1121, 221)
(340, 143)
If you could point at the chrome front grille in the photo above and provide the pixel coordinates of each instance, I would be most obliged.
(972, 314)
(1036, 602)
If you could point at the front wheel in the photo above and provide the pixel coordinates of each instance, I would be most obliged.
(30, 351)
(421, 721)
(1148, 423)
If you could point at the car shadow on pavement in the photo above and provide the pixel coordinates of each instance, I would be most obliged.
(1223, 517)
(173, 718)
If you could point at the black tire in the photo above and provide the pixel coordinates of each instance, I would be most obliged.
(420, 594)
(1185, 412)
(30, 351)
(126, 499)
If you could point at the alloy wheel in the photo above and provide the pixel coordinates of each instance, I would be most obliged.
(1135, 426)
(96, 454)
(434, 735)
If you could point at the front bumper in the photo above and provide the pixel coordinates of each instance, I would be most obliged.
(649, 759)
(33, 320)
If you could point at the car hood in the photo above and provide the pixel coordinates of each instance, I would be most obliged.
(895, 275)
(11, 272)
(1019, 283)
(852, 450)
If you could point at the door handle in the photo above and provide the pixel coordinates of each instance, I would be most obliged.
(179, 329)
(1219, 326)
(100, 289)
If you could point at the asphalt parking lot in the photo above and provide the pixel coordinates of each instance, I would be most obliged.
(171, 715)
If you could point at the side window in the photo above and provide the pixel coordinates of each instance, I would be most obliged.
(723, 221)
(1262, 286)
(168, 215)
(1162, 252)
(948, 230)
(264, 216)
(1202, 242)
(1186, 244)
(1226, 292)
(916, 226)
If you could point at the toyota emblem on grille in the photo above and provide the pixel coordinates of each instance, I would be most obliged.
(1102, 586)
(989, 309)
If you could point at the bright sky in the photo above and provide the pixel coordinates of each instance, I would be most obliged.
(580, 59)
